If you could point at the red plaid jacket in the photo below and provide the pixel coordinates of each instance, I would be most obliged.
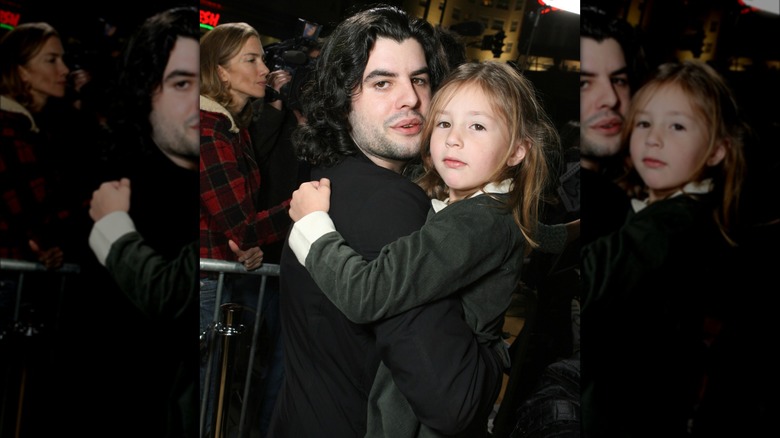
(229, 189)
(28, 209)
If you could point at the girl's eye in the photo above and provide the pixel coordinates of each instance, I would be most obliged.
(443, 124)
(678, 127)
(642, 124)
(478, 127)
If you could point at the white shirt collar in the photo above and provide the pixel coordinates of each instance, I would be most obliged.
(692, 188)
(503, 187)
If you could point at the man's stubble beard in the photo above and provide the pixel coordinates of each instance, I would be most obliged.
(376, 142)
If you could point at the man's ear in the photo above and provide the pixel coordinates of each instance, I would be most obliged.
(518, 153)
(718, 153)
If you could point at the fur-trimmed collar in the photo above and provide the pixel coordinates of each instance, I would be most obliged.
(12, 106)
(210, 105)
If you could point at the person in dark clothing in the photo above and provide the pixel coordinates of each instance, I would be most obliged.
(365, 111)
(155, 124)
(607, 77)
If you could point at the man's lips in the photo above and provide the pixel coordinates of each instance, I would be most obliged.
(408, 126)
(608, 127)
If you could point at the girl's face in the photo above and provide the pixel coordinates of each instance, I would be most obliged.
(669, 141)
(246, 72)
(46, 73)
(469, 142)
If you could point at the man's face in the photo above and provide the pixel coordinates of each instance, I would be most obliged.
(388, 109)
(175, 117)
(604, 96)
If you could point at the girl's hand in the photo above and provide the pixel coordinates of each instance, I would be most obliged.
(111, 196)
(310, 197)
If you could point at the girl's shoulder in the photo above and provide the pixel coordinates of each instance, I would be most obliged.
(681, 215)
(480, 212)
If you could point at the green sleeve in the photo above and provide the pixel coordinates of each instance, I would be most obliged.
(455, 248)
(159, 287)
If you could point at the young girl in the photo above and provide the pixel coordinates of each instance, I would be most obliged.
(484, 153)
(653, 288)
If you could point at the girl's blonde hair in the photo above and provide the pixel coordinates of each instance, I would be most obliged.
(514, 99)
(712, 99)
(217, 47)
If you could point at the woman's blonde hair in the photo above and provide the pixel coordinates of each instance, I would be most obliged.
(713, 100)
(217, 47)
(514, 99)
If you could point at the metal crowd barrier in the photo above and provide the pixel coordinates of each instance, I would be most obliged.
(226, 331)
(16, 332)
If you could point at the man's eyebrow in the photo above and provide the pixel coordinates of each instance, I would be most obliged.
(620, 71)
(389, 74)
(176, 73)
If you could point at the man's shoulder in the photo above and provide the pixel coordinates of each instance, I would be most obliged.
(368, 185)
(361, 173)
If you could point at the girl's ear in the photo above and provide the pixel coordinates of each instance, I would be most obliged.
(518, 153)
(718, 153)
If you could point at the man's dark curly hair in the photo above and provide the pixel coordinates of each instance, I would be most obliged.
(597, 24)
(143, 64)
(327, 100)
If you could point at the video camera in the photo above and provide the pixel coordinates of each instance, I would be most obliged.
(293, 56)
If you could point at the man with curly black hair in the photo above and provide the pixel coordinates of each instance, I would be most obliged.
(365, 111)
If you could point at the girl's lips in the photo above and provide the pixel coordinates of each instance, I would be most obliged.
(653, 163)
(453, 163)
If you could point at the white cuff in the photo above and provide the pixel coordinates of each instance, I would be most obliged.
(307, 230)
(108, 230)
